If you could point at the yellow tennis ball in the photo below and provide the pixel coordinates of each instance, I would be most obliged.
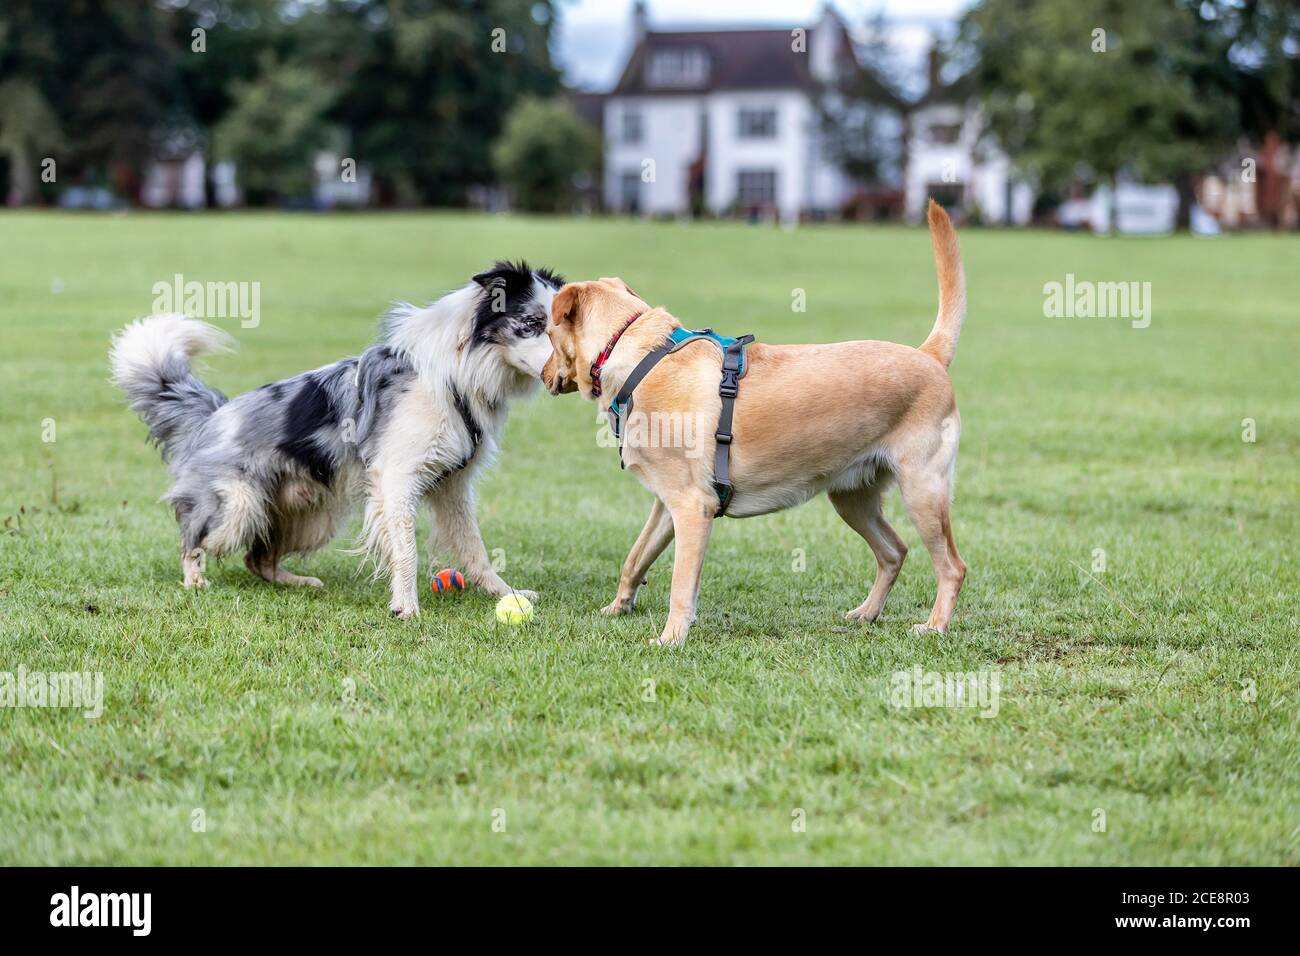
(514, 609)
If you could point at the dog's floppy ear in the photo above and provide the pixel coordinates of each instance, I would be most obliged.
(565, 305)
(615, 280)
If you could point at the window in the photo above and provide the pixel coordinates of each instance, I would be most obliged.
(677, 67)
(757, 123)
(631, 126)
(629, 191)
(945, 133)
(756, 187)
(947, 195)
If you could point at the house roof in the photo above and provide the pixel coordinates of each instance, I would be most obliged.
(956, 91)
(589, 106)
(737, 60)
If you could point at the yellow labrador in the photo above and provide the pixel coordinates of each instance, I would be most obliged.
(845, 418)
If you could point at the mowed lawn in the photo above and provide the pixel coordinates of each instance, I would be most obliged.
(1159, 696)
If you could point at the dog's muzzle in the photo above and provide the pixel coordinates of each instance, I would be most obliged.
(556, 383)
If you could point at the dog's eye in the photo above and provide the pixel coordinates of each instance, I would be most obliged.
(527, 326)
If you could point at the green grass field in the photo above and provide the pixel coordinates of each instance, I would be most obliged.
(314, 728)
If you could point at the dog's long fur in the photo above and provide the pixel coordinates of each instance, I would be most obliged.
(845, 418)
(413, 418)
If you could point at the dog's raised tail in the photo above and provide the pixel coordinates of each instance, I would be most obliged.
(150, 361)
(942, 342)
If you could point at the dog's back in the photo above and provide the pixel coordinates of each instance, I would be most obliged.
(273, 471)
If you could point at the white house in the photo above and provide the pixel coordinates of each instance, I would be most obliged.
(723, 121)
(947, 158)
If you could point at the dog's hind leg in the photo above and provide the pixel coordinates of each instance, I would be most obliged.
(194, 515)
(215, 520)
(927, 491)
(266, 566)
(307, 517)
(652, 541)
(861, 511)
(192, 566)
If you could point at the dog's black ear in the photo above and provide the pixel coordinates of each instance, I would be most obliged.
(516, 275)
(564, 307)
(490, 278)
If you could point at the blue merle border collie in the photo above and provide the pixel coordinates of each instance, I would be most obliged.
(411, 420)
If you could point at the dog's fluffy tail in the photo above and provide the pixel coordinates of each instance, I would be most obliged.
(942, 342)
(150, 359)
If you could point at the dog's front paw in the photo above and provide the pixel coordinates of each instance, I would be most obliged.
(531, 596)
(674, 635)
(664, 640)
(404, 612)
(919, 629)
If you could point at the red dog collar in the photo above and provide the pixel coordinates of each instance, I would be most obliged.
(604, 355)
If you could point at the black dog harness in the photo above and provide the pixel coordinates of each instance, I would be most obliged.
(734, 366)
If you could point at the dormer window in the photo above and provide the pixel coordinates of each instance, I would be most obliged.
(677, 68)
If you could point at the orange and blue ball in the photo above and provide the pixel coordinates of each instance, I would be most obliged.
(448, 579)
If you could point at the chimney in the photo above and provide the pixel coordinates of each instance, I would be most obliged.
(640, 21)
(935, 65)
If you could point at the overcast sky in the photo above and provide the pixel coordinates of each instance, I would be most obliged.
(595, 35)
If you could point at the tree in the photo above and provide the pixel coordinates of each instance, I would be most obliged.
(274, 129)
(99, 69)
(29, 129)
(863, 113)
(1264, 42)
(1264, 49)
(1095, 88)
(425, 85)
(418, 88)
(219, 43)
(544, 147)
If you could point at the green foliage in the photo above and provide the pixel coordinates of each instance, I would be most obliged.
(419, 88)
(542, 150)
(103, 68)
(236, 35)
(425, 86)
(1151, 95)
(274, 128)
(29, 128)
(1120, 690)
(1264, 37)
(860, 112)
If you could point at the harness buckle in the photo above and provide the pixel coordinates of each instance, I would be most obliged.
(730, 386)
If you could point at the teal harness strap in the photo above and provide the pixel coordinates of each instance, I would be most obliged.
(621, 405)
(734, 366)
